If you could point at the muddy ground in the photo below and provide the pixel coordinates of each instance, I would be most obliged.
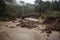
(26, 30)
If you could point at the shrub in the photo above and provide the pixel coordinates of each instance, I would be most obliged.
(54, 13)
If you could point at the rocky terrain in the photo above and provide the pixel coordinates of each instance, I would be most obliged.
(26, 30)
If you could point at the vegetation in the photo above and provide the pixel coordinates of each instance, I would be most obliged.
(47, 7)
(10, 11)
(51, 12)
(2, 9)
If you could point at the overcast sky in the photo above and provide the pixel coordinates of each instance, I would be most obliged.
(28, 1)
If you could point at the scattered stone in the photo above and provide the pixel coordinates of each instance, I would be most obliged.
(48, 35)
(18, 24)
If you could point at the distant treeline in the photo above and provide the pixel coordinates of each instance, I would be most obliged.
(11, 12)
(50, 8)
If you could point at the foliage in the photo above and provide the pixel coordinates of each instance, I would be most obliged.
(29, 8)
(2, 9)
(48, 7)
(6, 12)
(10, 13)
(54, 13)
(43, 7)
(56, 6)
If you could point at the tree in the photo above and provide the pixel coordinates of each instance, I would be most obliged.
(10, 13)
(2, 9)
(43, 6)
(9, 1)
(56, 6)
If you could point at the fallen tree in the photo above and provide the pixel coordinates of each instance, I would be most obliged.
(53, 23)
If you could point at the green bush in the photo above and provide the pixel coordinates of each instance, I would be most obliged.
(10, 14)
(54, 13)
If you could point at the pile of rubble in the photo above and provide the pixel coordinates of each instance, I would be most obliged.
(27, 24)
(53, 23)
